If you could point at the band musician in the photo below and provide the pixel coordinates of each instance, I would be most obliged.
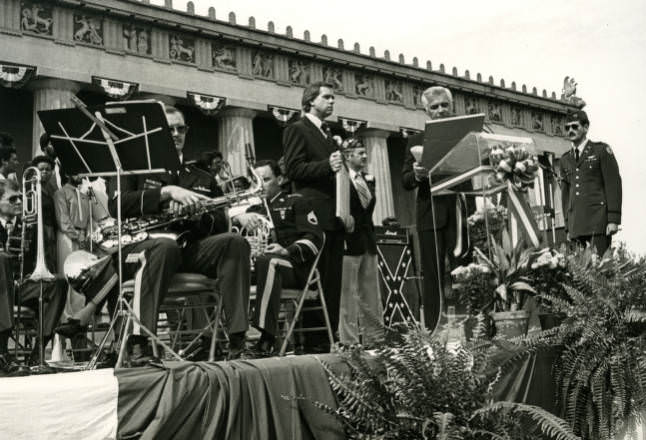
(312, 160)
(215, 253)
(288, 260)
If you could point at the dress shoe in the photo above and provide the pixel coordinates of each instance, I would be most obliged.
(9, 366)
(70, 328)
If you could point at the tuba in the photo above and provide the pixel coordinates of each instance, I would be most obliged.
(32, 215)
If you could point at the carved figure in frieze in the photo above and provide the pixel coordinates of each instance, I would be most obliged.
(471, 106)
(88, 29)
(494, 112)
(515, 116)
(36, 18)
(417, 96)
(363, 85)
(136, 39)
(333, 76)
(555, 121)
(299, 72)
(181, 51)
(263, 65)
(224, 57)
(537, 121)
(394, 91)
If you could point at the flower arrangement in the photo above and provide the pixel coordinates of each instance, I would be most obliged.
(472, 285)
(493, 217)
(515, 164)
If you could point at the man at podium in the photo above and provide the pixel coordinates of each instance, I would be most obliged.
(436, 219)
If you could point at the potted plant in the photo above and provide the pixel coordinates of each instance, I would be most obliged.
(509, 264)
(486, 222)
(473, 287)
(548, 275)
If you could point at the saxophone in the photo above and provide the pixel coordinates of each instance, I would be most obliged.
(137, 229)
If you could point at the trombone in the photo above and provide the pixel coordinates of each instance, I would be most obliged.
(32, 214)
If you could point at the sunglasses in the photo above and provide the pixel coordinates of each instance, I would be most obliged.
(181, 129)
(437, 106)
(574, 126)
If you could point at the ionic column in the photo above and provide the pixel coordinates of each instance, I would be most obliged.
(49, 94)
(236, 130)
(379, 166)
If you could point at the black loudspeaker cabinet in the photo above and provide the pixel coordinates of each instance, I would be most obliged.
(399, 282)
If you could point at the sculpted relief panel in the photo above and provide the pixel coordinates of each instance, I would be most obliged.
(36, 17)
(88, 29)
(299, 72)
(181, 48)
(333, 76)
(363, 85)
(262, 64)
(394, 91)
(137, 39)
(223, 56)
(494, 111)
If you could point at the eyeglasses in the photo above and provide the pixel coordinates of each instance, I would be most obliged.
(180, 129)
(437, 106)
(573, 126)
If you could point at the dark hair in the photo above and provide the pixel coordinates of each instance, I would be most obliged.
(6, 140)
(216, 155)
(271, 163)
(310, 93)
(6, 152)
(8, 184)
(42, 158)
(578, 115)
(44, 141)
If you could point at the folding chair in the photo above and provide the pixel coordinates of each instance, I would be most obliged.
(312, 290)
(184, 293)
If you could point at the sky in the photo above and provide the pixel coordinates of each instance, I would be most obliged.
(601, 44)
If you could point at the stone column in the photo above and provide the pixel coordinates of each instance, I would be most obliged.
(49, 94)
(235, 129)
(379, 166)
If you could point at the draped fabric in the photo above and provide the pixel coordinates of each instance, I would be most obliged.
(247, 400)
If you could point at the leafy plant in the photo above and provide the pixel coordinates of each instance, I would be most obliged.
(419, 389)
(601, 373)
(473, 286)
(485, 222)
(509, 264)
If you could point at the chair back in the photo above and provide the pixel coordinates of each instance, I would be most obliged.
(314, 273)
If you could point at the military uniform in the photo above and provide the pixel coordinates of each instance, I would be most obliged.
(297, 230)
(591, 194)
(224, 256)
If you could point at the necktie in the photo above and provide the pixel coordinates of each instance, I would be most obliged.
(326, 129)
(576, 154)
(362, 189)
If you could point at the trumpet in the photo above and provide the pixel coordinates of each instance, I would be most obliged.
(32, 215)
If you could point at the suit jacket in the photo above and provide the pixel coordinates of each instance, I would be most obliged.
(591, 190)
(444, 205)
(362, 240)
(307, 153)
(141, 194)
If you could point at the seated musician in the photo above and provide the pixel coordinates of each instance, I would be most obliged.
(54, 292)
(216, 254)
(286, 263)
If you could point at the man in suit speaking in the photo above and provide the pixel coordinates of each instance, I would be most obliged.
(311, 161)
(436, 217)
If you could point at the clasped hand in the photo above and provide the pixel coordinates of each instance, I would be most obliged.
(182, 200)
(336, 161)
(420, 171)
(277, 249)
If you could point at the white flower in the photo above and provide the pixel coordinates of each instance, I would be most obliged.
(369, 178)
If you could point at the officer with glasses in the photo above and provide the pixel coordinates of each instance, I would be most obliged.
(590, 186)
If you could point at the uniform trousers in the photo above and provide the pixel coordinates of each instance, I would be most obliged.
(273, 273)
(361, 309)
(331, 269)
(601, 242)
(224, 257)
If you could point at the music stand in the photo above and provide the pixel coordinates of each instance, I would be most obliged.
(112, 140)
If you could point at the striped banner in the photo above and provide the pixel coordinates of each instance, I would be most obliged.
(520, 209)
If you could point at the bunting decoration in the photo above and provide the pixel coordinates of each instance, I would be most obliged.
(14, 76)
(115, 89)
(352, 125)
(208, 104)
(281, 114)
(520, 209)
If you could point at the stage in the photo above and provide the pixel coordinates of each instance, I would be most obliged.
(237, 400)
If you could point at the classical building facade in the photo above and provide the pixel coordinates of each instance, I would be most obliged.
(239, 84)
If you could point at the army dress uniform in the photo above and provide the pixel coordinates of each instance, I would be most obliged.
(297, 230)
(215, 252)
(591, 194)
